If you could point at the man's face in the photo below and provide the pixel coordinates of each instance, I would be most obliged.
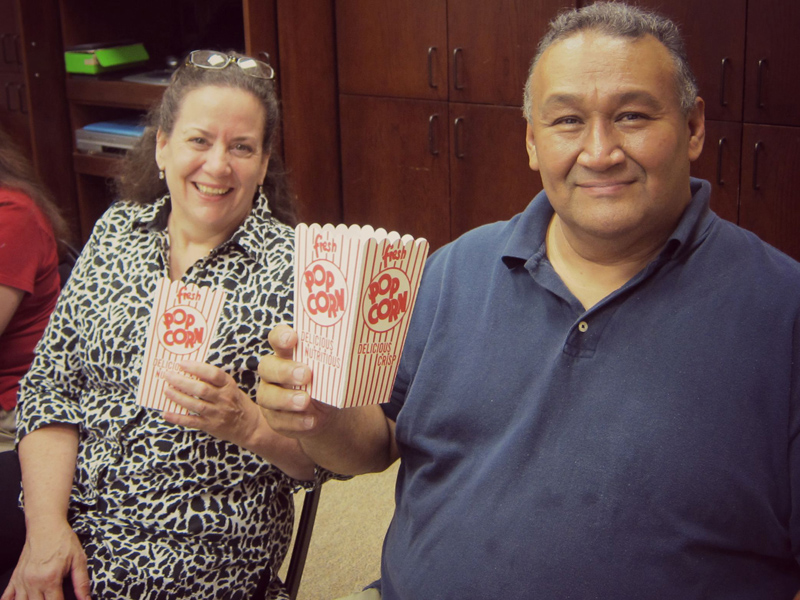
(609, 138)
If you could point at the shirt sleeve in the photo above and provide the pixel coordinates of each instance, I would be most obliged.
(22, 247)
(794, 442)
(51, 391)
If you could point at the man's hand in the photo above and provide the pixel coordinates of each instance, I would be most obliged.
(348, 441)
(47, 558)
(289, 411)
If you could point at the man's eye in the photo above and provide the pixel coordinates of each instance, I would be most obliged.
(631, 117)
(566, 121)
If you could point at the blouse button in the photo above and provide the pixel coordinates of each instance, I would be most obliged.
(583, 326)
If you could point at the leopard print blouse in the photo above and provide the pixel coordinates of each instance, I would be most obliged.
(164, 511)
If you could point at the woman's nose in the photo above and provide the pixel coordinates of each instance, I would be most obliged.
(218, 161)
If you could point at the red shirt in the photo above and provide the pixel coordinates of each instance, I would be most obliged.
(28, 262)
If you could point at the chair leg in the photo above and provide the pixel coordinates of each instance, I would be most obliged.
(300, 550)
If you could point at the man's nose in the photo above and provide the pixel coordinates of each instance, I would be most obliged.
(601, 146)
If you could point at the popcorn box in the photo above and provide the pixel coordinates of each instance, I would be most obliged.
(182, 324)
(355, 290)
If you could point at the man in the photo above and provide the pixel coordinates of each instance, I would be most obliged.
(601, 397)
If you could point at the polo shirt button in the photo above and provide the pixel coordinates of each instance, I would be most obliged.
(583, 326)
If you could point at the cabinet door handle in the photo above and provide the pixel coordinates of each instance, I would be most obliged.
(457, 69)
(10, 54)
(722, 142)
(432, 145)
(431, 54)
(23, 105)
(762, 66)
(457, 137)
(756, 153)
(723, 101)
(9, 97)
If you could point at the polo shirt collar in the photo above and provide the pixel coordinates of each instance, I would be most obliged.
(527, 240)
(249, 237)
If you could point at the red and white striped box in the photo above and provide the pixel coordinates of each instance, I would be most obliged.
(355, 290)
(183, 322)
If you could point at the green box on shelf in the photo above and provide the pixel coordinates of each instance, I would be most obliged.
(93, 60)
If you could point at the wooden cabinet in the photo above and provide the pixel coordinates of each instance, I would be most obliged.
(769, 202)
(490, 179)
(395, 48)
(719, 164)
(32, 101)
(714, 34)
(395, 165)
(308, 91)
(402, 113)
(166, 30)
(772, 72)
(744, 54)
(433, 139)
(492, 68)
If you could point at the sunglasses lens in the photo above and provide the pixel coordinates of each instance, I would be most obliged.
(207, 58)
(255, 68)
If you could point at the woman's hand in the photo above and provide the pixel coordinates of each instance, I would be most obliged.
(219, 407)
(216, 404)
(50, 554)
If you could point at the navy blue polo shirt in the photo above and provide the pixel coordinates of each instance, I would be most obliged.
(644, 448)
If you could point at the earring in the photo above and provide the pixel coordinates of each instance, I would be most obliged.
(260, 190)
(161, 174)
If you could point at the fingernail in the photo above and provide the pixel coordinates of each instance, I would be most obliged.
(308, 422)
(299, 400)
(299, 374)
(285, 338)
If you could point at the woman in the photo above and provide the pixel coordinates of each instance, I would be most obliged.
(29, 281)
(118, 498)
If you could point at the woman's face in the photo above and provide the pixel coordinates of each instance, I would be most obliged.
(213, 160)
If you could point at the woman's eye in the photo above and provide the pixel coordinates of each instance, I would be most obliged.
(197, 141)
(242, 150)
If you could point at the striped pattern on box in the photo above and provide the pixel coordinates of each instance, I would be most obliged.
(183, 322)
(355, 290)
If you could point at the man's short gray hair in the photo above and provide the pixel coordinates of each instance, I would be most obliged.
(620, 20)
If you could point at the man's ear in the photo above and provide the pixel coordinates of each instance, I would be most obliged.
(696, 120)
(530, 146)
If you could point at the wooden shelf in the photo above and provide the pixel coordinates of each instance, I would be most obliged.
(99, 165)
(122, 94)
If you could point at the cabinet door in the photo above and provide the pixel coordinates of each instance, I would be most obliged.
(394, 165)
(14, 111)
(770, 206)
(310, 107)
(490, 179)
(713, 31)
(719, 164)
(392, 48)
(10, 50)
(772, 72)
(491, 45)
